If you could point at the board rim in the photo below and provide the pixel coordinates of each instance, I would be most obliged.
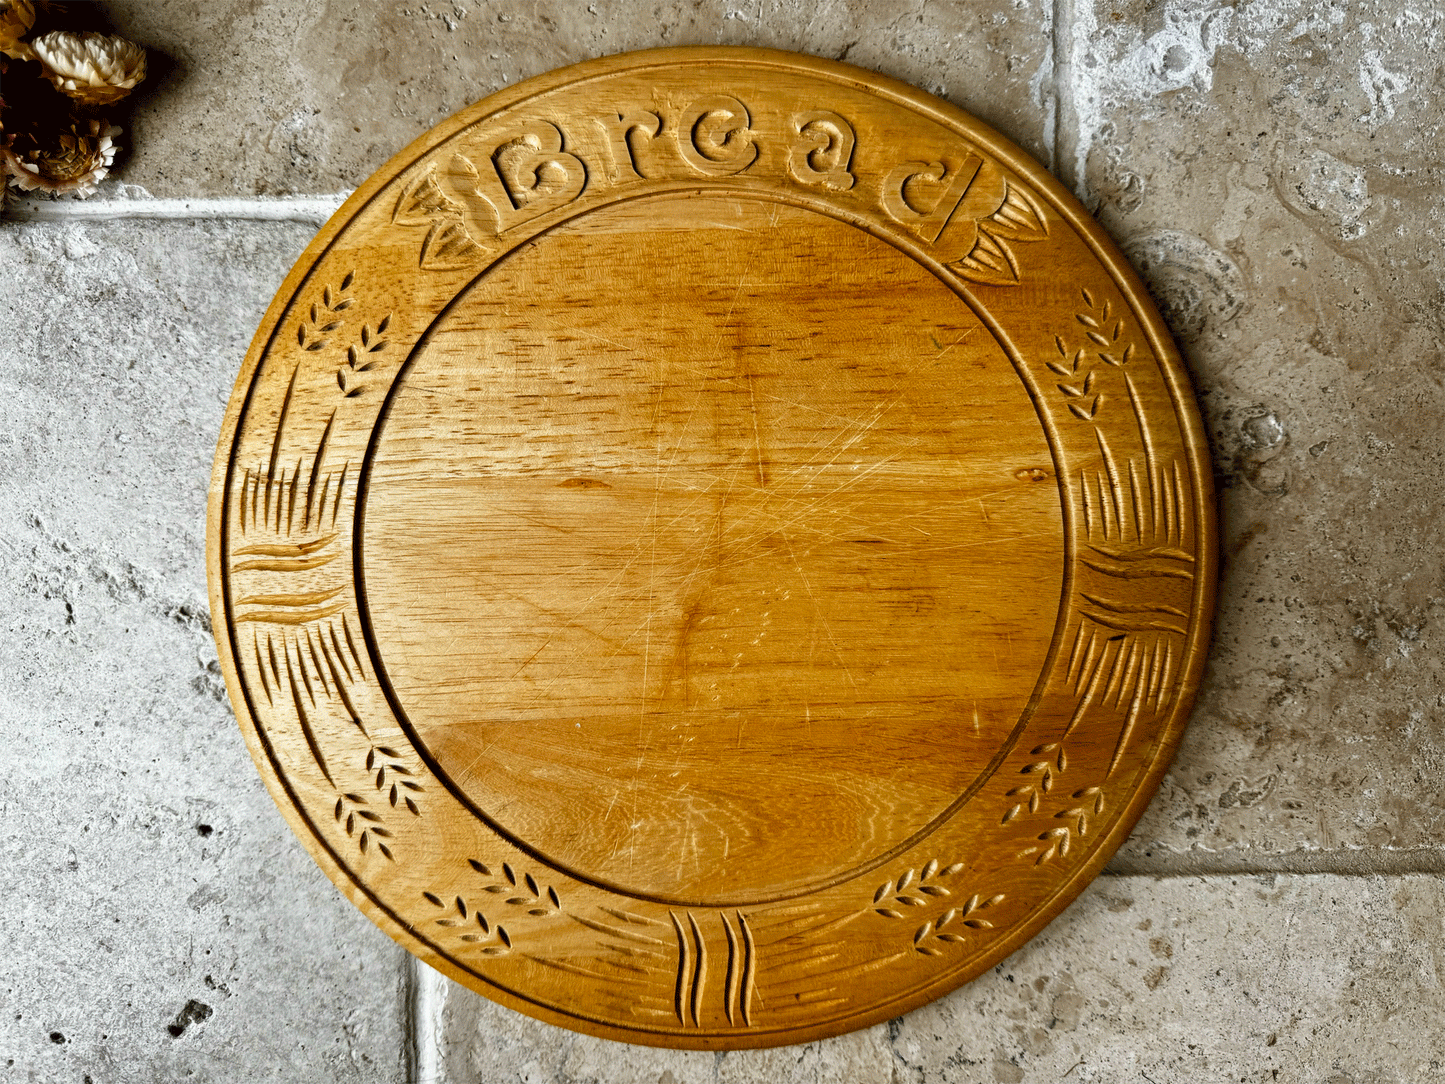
(1104, 250)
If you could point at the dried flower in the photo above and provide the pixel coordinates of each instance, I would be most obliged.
(77, 162)
(16, 19)
(94, 69)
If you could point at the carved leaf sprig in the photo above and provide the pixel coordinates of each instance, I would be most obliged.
(1055, 842)
(1042, 774)
(1103, 332)
(362, 824)
(1018, 219)
(448, 245)
(1090, 802)
(461, 915)
(394, 778)
(324, 318)
(521, 892)
(948, 926)
(359, 359)
(913, 888)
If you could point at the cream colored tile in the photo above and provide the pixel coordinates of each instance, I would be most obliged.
(161, 920)
(1273, 170)
(1298, 980)
(269, 98)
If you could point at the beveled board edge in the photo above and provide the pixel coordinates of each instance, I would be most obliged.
(1062, 202)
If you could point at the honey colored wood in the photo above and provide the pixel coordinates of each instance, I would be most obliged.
(712, 548)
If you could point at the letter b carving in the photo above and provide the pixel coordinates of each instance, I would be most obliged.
(532, 175)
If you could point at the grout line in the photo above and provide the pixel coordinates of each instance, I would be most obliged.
(1067, 136)
(409, 1016)
(1401, 862)
(310, 210)
(428, 1008)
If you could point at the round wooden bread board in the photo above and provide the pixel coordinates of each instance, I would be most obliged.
(712, 548)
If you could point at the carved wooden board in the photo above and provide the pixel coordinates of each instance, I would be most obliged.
(712, 548)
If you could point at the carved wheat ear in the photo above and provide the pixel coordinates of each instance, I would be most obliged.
(913, 888)
(472, 925)
(1103, 339)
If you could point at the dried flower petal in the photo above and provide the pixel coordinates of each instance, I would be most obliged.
(16, 19)
(76, 163)
(92, 68)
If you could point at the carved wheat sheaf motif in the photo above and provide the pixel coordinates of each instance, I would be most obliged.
(738, 967)
(1131, 642)
(1128, 643)
(291, 586)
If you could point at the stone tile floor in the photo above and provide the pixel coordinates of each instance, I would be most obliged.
(1271, 167)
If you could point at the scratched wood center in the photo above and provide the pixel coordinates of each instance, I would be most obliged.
(684, 567)
(712, 548)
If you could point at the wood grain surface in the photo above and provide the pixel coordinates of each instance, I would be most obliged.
(712, 548)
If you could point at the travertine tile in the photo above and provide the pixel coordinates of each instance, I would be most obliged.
(1294, 979)
(478, 1042)
(272, 97)
(1273, 169)
(1289, 979)
(161, 922)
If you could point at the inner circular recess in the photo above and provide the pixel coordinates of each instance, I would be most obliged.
(705, 548)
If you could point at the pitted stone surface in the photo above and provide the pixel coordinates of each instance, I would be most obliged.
(481, 1043)
(1273, 171)
(161, 920)
(271, 98)
(1264, 978)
